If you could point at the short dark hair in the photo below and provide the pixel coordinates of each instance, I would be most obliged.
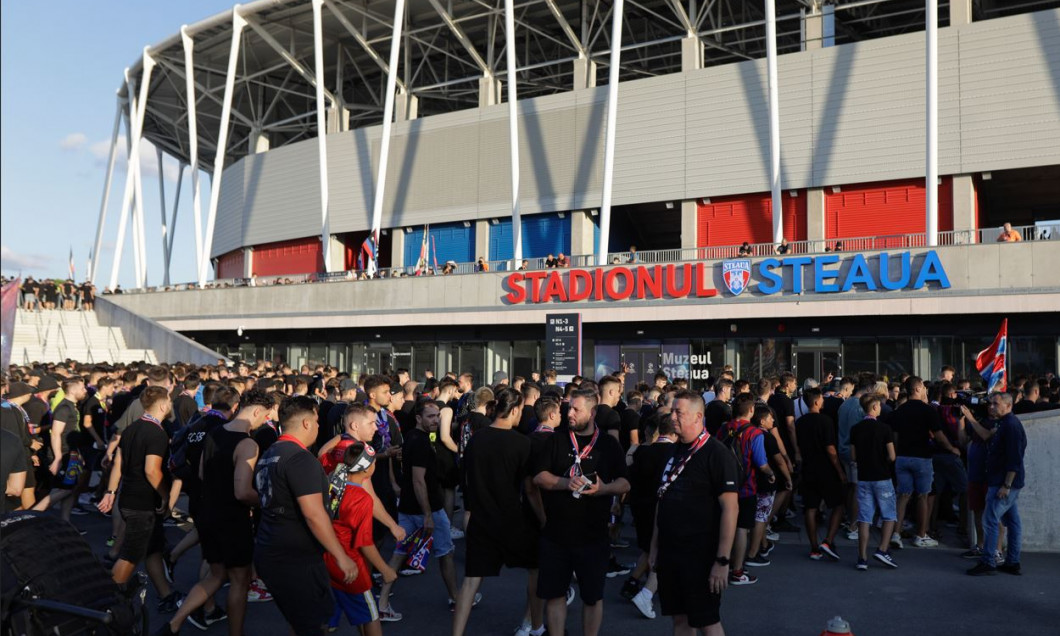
(528, 388)
(295, 407)
(545, 406)
(255, 397)
(809, 396)
(156, 375)
(373, 382)
(504, 400)
(744, 405)
(608, 380)
(589, 395)
(868, 400)
(761, 411)
(693, 397)
(152, 395)
(421, 405)
(191, 382)
(356, 409)
(223, 398)
(69, 382)
(911, 383)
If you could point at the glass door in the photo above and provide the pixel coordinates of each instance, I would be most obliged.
(820, 360)
(641, 364)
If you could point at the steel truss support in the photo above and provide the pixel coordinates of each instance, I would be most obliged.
(140, 223)
(609, 130)
(238, 24)
(193, 139)
(388, 119)
(97, 245)
(173, 220)
(322, 131)
(774, 121)
(513, 130)
(932, 151)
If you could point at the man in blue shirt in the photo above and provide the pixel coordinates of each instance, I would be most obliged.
(1004, 480)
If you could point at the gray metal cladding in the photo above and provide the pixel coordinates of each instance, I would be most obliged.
(228, 224)
(849, 114)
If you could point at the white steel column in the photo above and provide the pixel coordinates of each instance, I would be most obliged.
(774, 121)
(173, 219)
(130, 126)
(322, 131)
(388, 116)
(98, 244)
(193, 138)
(932, 177)
(238, 24)
(162, 211)
(127, 193)
(513, 130)
(148, 65)
(609, 131)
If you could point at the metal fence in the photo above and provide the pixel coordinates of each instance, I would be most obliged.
(747, 250)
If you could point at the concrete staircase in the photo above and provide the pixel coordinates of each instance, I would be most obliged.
(55, 336)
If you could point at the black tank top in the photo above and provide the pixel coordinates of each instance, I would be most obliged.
(218, 472)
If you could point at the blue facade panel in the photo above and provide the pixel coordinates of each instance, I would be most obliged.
(543, 234)
(451, 242)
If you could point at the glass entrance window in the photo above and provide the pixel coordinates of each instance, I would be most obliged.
(472, 359)
(747, 360)
(401, 357)
(817, 361)
(859, 355)
(896, 357)
(641, 364)
(525, 358)
(423, 359)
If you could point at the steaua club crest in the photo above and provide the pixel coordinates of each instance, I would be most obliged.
(736, 274)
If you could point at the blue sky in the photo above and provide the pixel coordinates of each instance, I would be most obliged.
(62, 62)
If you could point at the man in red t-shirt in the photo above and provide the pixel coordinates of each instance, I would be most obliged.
(353, 527)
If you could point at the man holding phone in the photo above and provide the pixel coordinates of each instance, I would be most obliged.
(578, 473)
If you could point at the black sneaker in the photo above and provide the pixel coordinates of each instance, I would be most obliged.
(630, 589)
(617, 569)
(768, 549)
(1010, 568)
(757, 561)
(171, 603)
(216, 616)
(828, 549)
(198, 619)
(982, 569)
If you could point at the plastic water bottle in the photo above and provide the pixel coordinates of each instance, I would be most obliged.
(837, 626)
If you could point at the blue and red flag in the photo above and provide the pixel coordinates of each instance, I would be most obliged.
(991, 361)
(367, 260)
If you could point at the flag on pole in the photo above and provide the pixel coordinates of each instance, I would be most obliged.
(991, 361)
(71, 262)
(367, 260)
(434, 253)
(423, 262)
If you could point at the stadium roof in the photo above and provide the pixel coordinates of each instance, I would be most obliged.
(448, 45)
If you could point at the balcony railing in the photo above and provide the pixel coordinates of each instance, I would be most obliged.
(750, 250)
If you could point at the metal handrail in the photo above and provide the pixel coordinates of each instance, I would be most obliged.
(709, 253)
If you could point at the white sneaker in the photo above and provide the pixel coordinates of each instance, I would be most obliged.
(852, 535)
(643, 602)
(896, 541)
(456, 534)
(524, 628)
(772, 535)
(925, 542)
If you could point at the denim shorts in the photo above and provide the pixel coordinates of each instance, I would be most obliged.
(443, 539)
(876, 495)
(914, 475)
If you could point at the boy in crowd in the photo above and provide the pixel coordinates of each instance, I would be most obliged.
(353, 527)
(872, 448)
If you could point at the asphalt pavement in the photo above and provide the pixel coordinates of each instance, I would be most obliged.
(928, 594)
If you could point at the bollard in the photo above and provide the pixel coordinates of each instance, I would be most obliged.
(837, 627)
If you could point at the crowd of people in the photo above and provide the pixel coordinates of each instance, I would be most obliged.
(298, 482)
(50, 294)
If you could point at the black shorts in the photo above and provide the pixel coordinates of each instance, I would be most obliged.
(228, 542)
(144, 535)
(557, 562)
(644, 524)
(302, 590)
(814, 491)
(488, 553)
(746, 518)
(684, 587)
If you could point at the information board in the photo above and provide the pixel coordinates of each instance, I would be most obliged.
(563, 345)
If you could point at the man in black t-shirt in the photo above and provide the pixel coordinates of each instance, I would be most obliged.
(295, 528)
(528, 421)
(917, 425)
(140, 468)
(872, 447)
(13, 468)
(718, 412)
(578, 474)
(66, 440)
(695, 522)
(184, 405)
(823, 477)
(423, 503)
(629, 433)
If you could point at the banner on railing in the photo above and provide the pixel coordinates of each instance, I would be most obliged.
(8, 305)
(824, 274)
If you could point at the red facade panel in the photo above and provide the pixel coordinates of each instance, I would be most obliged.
(748, 217)
(298, 256)
(230, 265)
(884, 208)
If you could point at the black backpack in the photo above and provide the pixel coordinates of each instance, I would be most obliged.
(731, 441)
(180, 459)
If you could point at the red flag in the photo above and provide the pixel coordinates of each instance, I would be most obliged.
(991, 361)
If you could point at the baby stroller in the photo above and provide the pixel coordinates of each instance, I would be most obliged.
(51, 583)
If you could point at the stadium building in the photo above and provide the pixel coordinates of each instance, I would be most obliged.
(511, 131)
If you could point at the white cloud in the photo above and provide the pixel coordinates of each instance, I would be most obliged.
(100, 151)
(73, 141)
(12, 261)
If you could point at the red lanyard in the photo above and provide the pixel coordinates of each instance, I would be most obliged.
(583, 453)
(291, 438)
(673, 472)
